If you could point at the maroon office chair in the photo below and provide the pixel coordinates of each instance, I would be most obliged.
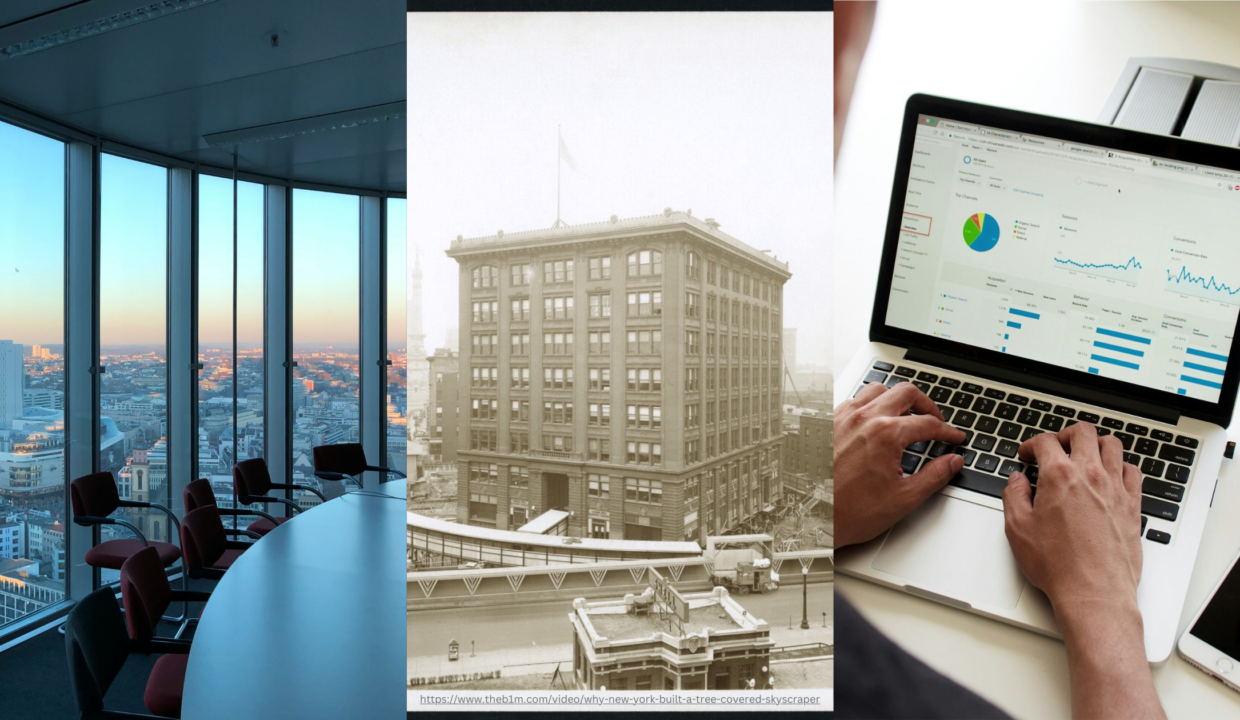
(146, 595)
(346, 461)
(200, 494)
(252, 482)
(208, 551)
(97, 647)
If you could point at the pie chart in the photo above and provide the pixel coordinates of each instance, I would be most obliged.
(981, 232)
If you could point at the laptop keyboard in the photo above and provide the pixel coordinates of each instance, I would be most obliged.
(996, 422)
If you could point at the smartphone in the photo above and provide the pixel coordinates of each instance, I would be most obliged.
(1212, 641)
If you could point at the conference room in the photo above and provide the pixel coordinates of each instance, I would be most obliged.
(202, 357)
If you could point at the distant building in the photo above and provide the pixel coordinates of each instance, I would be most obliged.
(790, 349)
(37, 397)
(12, 381)
(721, 647)
(12, 535)
(444, 407)
(23, 591)
(627, 372)
(809, 445)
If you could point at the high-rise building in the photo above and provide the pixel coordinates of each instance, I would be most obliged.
(417, 339)
(11, 383)
(442, 421)
(628, 372)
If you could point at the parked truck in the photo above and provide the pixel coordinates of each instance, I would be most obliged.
(742, 563)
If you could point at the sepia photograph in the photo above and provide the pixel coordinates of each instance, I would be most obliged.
(619, 386)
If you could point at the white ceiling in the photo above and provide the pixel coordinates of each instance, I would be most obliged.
(162, 84)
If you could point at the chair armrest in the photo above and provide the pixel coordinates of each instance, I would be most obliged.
(154, 506)
(88, 520)
(326, 475)
(287, 486)
(248, 499)
(386, 470)
(161, 646)
(246, 533)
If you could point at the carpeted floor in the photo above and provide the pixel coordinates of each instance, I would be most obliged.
(35, 675)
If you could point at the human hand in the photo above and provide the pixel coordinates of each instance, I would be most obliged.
(871, 432)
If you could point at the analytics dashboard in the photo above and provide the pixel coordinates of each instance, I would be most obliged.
(1106, 262)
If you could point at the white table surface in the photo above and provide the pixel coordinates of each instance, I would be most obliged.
(1058, 59)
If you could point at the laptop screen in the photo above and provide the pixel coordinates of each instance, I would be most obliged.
(1087, 258)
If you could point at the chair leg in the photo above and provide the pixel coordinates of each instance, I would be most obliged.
(184, 616)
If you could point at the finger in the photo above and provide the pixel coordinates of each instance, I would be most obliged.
(1112, 452)
(905, 397)
(1017, 500)
(1132, 480)
(915, 428)
(1081, 441)
(1040, 448)
(867, 394)
(934, 475)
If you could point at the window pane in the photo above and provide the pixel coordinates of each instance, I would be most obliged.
(398, 293)
(325, 329)
(32, 381)
(133, 341)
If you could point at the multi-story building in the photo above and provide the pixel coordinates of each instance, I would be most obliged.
(627, 372)
(12, 380)
(809, 447)
(443, 410)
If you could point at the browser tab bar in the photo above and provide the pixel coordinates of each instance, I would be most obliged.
(1218, 174)
(999, 134)
(1084, 150)
(1171, 165)
(1126, 156)
(946, 125)
(1041, 141)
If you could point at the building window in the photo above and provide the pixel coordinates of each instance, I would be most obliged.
(645, 342)
(557, 378)
(558, 443)
(600, 378)
(644, 453)
(486, 276)
(693, 451)
(520, 343)
(710, 344)
(558, 308)
(486, 311)
(559, 343)
(520, 378)
(599, 449)
(521, 274)
(518, 476)
(600, 306)
(557, 271)
(691, 379)
(600, 414)
(723, 311)
(710, 412)
(643, 490)
(692, 264)
(482, 439)
(692, 342)
(645, 303)
(484, 409)
(600, 342)
(599, 485)
(520, 411)
(645, 416)
(518, 442)
(558, 413)
(692, 419)
(521, 309)
(600, 268)
(645, 379)
(485, 377)
(600, 529)
(645, 263)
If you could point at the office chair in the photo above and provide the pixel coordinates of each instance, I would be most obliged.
(146, 595)
(253, 482)
(97, 647)
(200, 494)
(345, 461)
(94, 498)
(208, 551)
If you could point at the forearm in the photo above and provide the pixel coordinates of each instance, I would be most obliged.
(1106, 659)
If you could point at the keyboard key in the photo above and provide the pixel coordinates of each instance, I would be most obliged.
(947, 382)
(1159, 508)
(1070, 423)
(969, 456)
(927, 377)
(940, 394)
(983, 405)
(1008, 448)
(1125, 439)
(874, 376)
(1009, 430)
(1040, 405)
(858, 390)
(1161, 435)
(1113, 423)
(924, 387)
(1164, 490)
(1158, 536)
(1065, 411)
(918, 447)
(1137, 429)
(972, 388)
(1146, 446)
(938, 449)
(1185, 441)
(1153, 467)
(964, 419)
(988, 463)
(1028, 417)
(1103, 432)
(909, 462)
(1010, 466)
(1176, 454)
(895, 380)
(969, 479)
(884, 366)
(1132, 458)
(1031, 472)
(994, 394)
(1088, 417)
(907, 372)
(984, 443)
(1006, 411)
(1017, 399)
(1051, 423)
(946, 412)
(961, 400)
(1177, 473)
(987, 425)
(968, 435)
(1029, 433)
(1144, 520)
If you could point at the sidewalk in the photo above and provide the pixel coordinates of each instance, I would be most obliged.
(511, 661)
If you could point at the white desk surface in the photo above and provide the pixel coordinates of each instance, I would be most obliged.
(1054, 59)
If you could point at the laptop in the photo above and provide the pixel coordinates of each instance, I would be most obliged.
(1036, 273)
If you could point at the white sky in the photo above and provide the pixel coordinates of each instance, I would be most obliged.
(726, 114)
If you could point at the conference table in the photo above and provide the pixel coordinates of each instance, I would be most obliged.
(310, 621)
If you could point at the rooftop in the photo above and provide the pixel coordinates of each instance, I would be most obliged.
(615, 227)
(614, 623)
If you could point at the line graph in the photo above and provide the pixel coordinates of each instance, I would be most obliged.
(1186, 283)
(1129, 272)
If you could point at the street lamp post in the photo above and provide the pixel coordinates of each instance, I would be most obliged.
(805, 597)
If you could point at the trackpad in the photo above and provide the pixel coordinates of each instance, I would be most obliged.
(955, 548)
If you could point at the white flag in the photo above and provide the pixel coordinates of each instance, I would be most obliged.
(565, 155)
